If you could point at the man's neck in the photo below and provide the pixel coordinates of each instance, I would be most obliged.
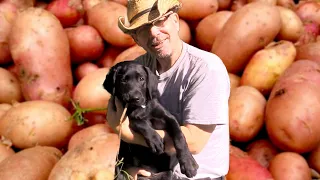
(165, 64)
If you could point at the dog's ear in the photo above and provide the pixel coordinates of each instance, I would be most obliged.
(109, 82)
(152, 83)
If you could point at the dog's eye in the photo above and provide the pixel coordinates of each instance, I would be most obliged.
(141, 78)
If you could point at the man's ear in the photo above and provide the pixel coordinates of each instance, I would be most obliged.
(176, 21)
(109, 82)
(152, 83)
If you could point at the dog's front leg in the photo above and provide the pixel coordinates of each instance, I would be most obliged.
(152, 138)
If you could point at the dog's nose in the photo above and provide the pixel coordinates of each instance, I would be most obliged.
(135, 99)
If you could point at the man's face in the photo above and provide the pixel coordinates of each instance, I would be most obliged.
(159, 37)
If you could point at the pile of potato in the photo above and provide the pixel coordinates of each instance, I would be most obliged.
(54, 55)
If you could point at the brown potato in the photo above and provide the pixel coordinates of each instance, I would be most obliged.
(129, 54)
(271, 2)
(32, 163)
(310, 51)
(10, 87)
(109, 55)
(90, 93)
(193, 10)
(224, 4)
(286, 3)
(208, 28)
(313, 159)
(234, 80)
(289, 165)
(5, 151)
(104, 17)
(294, 106)
(40, 50)
(184, 32)
(84, 69)
(4, 108)
(292, 27)
(266, 65)
(93, 158)
(248, 30)
(32, 123)
(246, 112)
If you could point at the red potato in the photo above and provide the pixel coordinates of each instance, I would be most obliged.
(37, 42)
(237, 4)
(313, 159)
(22, 4)
(193, 10)
(271, 2)
(267, 64)
(293, 106)
(10, 87)
(87, 4)
(90, 93)
(5, 151)
(184, 32)
(32, 123)
(86, 44)
(41, 4)
(129, 54)
(4, 107)
(95, 118)
(88, 133)
(246, 112)
(287, 4)
(292, 26)
(310, 51)
(108, 56)
(262, 150)
(104, 17)
(208, 28)
(234, 80)
(310, 32)
(244, 167)
(31, 163)
(224, 4)
(69, 12)
(289, 165)
(95, 158)
(248, 30)
(308, 11)
(84, 69)
(8, 12)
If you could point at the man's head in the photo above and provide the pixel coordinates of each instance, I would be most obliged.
(153, 24)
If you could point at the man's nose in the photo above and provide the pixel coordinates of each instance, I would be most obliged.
(154, 31)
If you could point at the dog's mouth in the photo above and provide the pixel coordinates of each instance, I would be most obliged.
(134, 101)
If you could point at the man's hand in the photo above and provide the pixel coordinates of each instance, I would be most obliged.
(134, 172)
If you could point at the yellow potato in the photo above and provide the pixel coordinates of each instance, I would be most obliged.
(267, 65)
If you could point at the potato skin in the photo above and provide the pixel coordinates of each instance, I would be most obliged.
(40, 50)
(293, 106)
(31, 163)
(248, 30)
(37, 122)
(11, 89)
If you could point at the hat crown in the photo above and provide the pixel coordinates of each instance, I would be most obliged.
(137, 6)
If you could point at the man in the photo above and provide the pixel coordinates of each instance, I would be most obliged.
(194, 86)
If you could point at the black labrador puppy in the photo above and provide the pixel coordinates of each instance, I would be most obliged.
(135, 85)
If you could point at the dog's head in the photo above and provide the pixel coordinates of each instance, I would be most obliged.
(131, 83)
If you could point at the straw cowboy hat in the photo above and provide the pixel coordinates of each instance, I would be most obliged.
(142, 12)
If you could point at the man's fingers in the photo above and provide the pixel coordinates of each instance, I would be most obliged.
(144, 173)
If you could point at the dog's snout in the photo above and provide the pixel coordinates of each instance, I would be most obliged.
(135, 99)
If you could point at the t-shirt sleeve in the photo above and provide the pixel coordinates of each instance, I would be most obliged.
(206, 99)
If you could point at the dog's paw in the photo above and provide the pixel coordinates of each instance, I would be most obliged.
(156, 144)
(188, 165)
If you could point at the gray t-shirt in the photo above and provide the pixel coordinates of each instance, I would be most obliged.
(196, 90)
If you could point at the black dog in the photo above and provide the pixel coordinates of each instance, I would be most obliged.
(135, 85)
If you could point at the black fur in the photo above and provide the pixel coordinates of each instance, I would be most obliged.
(135, 85)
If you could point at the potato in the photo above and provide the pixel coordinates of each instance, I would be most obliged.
(96, 118)
(4, 107)
(90, 93)
(109, 55)
(308, 11)
(129, 54)
(224, 4)
(84, 69)
(289, 165)
(40, 50)
(91, 159)
(69, 12)
(32, 163)
(7, 14)
(262, 150)
(310, 51)
(37, 122)
(122, 2)
(271, 2)
(87, 4)
(104, 17)
(234, 80)
(237, 4)
(286, 3)
(86, 44)
(292, 26)
(267, 64)
(5, 151)
(184, 32)
(208, 28)
(22, 4)
(313, 159)
(248, 30)
(88, 133)
(294, 106)
(10, 87)
(246, 112)
(244, 167)
(193, 10)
